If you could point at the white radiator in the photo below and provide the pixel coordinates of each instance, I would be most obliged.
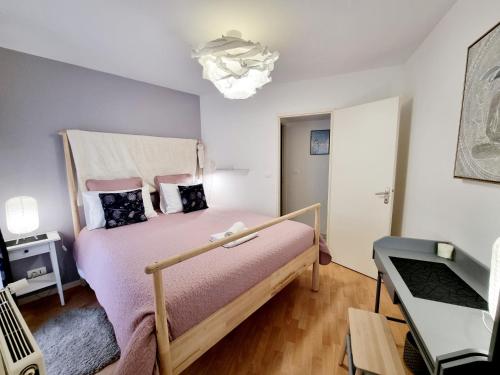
(20, 353)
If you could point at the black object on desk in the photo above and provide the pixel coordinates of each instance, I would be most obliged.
(437, 282)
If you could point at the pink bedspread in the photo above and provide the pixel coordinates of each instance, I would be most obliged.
(113, 263)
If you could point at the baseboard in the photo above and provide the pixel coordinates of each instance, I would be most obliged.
(48, 292)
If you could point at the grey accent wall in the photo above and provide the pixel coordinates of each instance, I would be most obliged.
(39, 97)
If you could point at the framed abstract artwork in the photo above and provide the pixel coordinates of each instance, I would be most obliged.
(478, 147)
(320, 142)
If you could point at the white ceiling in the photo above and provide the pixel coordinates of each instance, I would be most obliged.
(151, 40)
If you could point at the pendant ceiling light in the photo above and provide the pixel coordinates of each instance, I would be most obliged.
(235, 66)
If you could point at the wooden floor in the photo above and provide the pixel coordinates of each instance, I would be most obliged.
(297, 332)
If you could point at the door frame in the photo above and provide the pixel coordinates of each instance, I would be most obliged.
(280, 156)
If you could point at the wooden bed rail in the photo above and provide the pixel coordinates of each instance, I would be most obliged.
(156, 268)
(160, 265)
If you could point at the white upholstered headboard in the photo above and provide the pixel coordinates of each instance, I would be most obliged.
(97, 155)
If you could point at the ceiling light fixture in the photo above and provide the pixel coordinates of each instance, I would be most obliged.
(235, 66)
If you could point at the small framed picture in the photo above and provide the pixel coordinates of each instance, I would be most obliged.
(320, 142)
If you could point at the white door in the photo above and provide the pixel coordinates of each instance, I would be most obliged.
(362, 173)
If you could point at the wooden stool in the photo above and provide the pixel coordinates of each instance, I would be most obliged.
(370, 345)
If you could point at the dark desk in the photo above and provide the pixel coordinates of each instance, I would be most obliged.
(446, 334)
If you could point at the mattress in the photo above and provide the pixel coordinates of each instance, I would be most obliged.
(113, 263)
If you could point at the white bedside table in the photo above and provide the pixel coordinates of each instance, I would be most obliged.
(42, 246)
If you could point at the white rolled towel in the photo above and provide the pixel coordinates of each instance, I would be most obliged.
(240, 240)
(237, 227)
(234, 229)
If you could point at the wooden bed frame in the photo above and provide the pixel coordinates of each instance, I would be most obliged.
(175, 356)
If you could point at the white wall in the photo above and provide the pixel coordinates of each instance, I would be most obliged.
(305, 176)
(436, 205)
(245, 133)
(429, 202)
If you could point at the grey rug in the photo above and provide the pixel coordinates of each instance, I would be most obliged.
(78, 342)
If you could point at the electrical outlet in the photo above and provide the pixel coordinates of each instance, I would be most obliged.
(36, 272)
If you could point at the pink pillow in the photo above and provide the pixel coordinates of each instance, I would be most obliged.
(173, 179)
(112, 185)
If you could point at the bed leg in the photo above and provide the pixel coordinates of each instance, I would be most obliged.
(315, 271)
(162, 340)
(315, 275)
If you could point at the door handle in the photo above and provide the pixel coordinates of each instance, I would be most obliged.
(386, 194)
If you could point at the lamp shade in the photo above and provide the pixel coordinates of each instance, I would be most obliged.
(235, 66)
(494, 289)
(22, 215)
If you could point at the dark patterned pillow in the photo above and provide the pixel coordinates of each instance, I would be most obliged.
(122, 208)
(192, 198)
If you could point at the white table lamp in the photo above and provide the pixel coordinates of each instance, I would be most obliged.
(22, 215)
(494, 289)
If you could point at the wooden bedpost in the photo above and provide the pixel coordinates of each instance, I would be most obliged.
(162, 339)
(317, 233)
(70, 179)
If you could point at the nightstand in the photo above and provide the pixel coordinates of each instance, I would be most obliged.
(45, 244)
